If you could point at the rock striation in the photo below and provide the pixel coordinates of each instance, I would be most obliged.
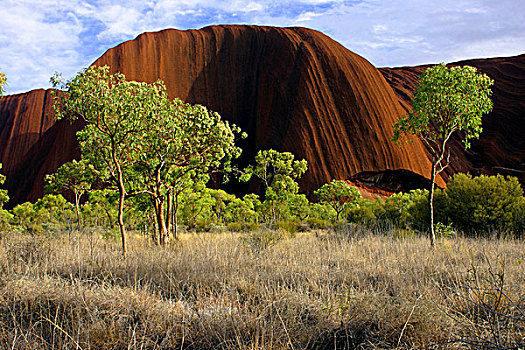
(291, 89)
(501, 147)
(32, 143)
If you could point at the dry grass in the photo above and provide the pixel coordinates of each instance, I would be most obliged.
(317, 290)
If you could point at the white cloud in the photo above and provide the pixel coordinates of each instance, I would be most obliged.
(252, 6)
(380, 28)
(39, 37)
(120, 22)
(307, 16)
(33, 46)
(410, 32)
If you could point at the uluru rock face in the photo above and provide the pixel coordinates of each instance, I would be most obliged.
(32, 144)
(291, 89)
(501, 147)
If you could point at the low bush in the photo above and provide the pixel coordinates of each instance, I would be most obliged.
(484, 203)
(317, 223)
(288, 226)
(363, 213)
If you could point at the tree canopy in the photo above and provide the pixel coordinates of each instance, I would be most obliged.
(272, 167)
(446, 100)
(114, 111)
(74, 176)
(338, 195)
(278, 172)
(3, 83)
(139, 140)
(181, 142)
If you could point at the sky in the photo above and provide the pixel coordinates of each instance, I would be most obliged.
(40, 37)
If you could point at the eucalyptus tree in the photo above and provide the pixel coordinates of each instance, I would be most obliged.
(114, 111)
(76, 177)
(278, 173)
(3, 83)
(5, 216)
(182, 144)
(445, 101)
(272, 166)
(143, 142)
(338, 195)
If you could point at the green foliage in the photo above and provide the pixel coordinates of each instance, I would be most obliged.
(52, 209)
(221, 199)
(278, 173)
(3, 83)
(101, 209)
(182, 142)
(4, 198)
(243, 211)
(320, 216)
(74, 176)
(443, 230)
(272, 167)
(114, 110)
(364, 212)
(446, 100)
(338, 195)
(142, 142)
(299, 207)
(399, 207)
(5, 217)
(196, 207)
(484, 202)
(24, 214)
(419, 217)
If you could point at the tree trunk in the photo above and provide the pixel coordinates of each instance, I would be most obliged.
(432, 234)
(77, 209)
(175, 206)
(167, 218)
(161, 222)
(122, 196)
(338, 212)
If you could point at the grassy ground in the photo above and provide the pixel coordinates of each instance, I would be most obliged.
(317, 290)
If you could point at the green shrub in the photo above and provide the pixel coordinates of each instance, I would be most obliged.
(5, 219)
(443, 230)
(362, 213)
(24, 214)
(419, 212)
(398, 207)
(322, 212)
(261, 240)
(480, 204)
(317, 223)
(288, 226)
(235, 227)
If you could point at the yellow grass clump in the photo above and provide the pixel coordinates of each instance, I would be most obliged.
(313, 290)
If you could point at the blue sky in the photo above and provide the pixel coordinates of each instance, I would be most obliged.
(40, 37)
